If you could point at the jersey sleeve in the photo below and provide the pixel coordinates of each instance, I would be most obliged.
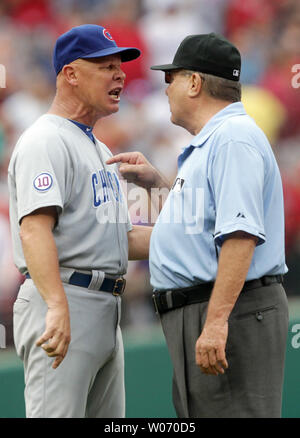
(129, 223)
(237, 180)
(124, 198)
(42, 174)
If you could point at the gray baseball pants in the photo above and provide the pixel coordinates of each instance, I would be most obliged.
(90, 380)
(255, 350)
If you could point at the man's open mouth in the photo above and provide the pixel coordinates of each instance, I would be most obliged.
(115, 93)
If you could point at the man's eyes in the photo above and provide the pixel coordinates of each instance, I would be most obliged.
(168, 78)
(109, 67)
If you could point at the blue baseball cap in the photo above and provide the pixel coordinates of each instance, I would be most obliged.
(88, 41)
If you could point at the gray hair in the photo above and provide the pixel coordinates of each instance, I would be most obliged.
(220, 88)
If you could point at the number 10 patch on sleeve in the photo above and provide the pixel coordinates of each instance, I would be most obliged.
(43, 182)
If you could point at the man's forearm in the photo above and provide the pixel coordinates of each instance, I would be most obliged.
(157, 194)
(234, 262)
(42, 260)
(159, 182)
(138, 242)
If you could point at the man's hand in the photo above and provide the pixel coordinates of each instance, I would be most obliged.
(56, 337)
(136, 168)
(210, 348)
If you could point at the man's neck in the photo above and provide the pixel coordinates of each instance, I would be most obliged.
(206, 111)
(73, 110)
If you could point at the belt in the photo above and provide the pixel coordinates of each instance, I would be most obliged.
(166, 300)
(114, 286)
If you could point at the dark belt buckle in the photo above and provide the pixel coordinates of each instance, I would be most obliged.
(119, 287)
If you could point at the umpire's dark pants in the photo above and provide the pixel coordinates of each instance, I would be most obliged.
(255, 351)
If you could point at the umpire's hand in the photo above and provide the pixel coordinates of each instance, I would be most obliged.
(210, 348)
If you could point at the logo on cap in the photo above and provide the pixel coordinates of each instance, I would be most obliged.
(236, 73)
(107, 35)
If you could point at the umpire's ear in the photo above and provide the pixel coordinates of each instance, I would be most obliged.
(195, 84)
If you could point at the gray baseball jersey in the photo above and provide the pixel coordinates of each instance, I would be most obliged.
(56, 164)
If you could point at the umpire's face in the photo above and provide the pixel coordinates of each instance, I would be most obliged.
(98, 83)
(178, 93)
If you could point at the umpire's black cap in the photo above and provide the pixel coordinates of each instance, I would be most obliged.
(207, 53)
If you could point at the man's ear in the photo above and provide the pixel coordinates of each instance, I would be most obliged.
(70, 73)
(195, 85)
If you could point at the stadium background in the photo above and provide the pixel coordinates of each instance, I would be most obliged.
(267, 32)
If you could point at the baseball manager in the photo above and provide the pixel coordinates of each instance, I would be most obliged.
(72, 236)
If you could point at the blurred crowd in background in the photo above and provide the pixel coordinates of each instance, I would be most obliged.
(267, 33)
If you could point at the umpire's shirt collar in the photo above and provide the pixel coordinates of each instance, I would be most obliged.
(231, 110)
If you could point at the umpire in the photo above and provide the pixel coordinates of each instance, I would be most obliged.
(217, 250)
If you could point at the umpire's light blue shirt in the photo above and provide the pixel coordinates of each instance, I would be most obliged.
(228, 180)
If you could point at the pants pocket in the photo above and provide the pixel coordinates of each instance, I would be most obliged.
(259, 314)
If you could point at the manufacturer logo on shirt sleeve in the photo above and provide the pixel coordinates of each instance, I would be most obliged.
(43, 182)
(178, 184)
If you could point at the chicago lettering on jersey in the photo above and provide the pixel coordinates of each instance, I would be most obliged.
(106, 187)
